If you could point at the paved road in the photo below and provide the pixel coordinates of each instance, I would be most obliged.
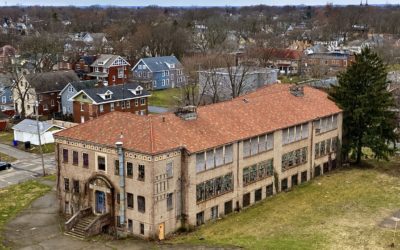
(28, 166)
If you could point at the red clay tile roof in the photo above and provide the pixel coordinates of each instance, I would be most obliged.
(267, 109)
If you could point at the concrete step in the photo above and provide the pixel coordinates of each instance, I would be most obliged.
(75, 235)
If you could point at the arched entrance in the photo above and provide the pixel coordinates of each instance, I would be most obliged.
(101, 195)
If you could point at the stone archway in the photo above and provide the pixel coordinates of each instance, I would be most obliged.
(101, 193)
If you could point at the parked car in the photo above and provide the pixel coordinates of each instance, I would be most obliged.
(4, 165)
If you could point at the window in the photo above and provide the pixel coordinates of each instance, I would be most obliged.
(113, 78)
(65, 155)
(154, 84)
(141, 173)
(258, 171)
(228, 153)
(52, 102)
(66, 184)
(66, 207)
(101, 107)
(270, 190)
(128, 104)
(294, 158)
(141, 228)
(295, 133)
(70, 88)
(76, 186)
(167, 82)
(129, 200)
(200, 162)
(170, 201)
(284, 185)
(85, 157)
(200, 218)
(4, 99)
(82, 107)
(142, 101)
(116, 167)
(112, 108)
(136, 102)
(258, 195)
(163, 83)
(101, 163)
(219, 156)
(122, 104)
(228, 207)
(75, 157)
(214, 213)
(246, 200)
(120, 72)
(295, 179)
(141, 204)
(118, 221)
(214, 187)
(210, 160)
(130, 225)
(303, 176)
(169, 169)
(325, 124)
(246, 148)
(84, 96)
(45, 107)
(254, 146)
(167, 73)
(129, 169)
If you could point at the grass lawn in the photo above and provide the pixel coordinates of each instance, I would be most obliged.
(16, 197)
(6, 137)
(164, 98)
(341, 210)
(6, 158)
(290, 79)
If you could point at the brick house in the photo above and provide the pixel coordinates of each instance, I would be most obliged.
(44, 88)
(150, 175)
(110, 69)
(325, 64)
(159, 72)
(91, 103)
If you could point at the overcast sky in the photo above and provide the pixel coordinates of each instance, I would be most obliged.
(186, 2)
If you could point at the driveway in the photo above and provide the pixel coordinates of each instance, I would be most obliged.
(40, 227)
(14, 152)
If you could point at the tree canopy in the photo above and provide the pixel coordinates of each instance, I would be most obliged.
(368, 116)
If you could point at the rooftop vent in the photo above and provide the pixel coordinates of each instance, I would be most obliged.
(297, 90)
(187, 113)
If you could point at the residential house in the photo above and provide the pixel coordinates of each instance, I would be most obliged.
(4, 121)
(7, 52)
(6, 98)
(43, 88)
(110, 69)
(70, 90)
(159, 72)
(94, 102)
(82, 66)
(217, 83)
(27, 131)
(150, 175)
(325, 63)
(286, 60)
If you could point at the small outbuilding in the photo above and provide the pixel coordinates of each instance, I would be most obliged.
(26, 131)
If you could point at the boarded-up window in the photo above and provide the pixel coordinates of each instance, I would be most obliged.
(262, 144)
(65, 155)
(298, 132)
(85, 157)
(75, 158)
(129, 198)
(200, 163)
(246, 200)
(270, 141)
(210, 159)
(246, 148)
(304, 131)
(141, 204)
(254, 145)
(228, 153)
(169, 169)
(219, 156)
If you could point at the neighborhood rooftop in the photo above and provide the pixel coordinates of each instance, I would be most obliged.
(30, 126)
(51, 81)
(266, 110)
(160, 63)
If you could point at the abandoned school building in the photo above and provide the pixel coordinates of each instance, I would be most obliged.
(150, 175)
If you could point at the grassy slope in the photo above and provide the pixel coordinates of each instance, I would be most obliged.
(340, 211)
(6, 158)
(164, 98)
(16, 197)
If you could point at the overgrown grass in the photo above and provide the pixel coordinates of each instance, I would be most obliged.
(16, 197)
(6, 137)
(6, 158)
(336, 211)
(290, 79)
(164, 98)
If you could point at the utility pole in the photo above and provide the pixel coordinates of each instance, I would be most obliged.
(38, 132)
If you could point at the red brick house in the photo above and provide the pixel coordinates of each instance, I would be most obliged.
(94, 102)
(110, 69)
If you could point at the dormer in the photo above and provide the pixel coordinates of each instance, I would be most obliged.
(107, 95)
(170, 65)
(137, 91)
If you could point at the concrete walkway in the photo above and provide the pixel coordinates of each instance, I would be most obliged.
(39, 227)
(14, 152)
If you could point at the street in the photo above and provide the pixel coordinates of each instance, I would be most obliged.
(27, 166)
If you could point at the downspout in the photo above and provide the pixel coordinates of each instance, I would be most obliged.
(311, 150)
(122, 209)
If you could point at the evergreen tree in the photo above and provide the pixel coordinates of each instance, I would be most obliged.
(368, 117)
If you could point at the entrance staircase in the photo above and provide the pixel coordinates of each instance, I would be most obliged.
(80, 228)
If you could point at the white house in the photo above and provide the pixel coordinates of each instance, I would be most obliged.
(27, 131)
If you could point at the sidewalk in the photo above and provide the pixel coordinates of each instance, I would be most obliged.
(14, 152)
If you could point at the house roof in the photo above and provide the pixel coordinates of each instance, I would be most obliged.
(106, 60)
(51, 81)
(79, 85)
(268, 109)
(119, 92)
(30, 126)
(160, 63)
(286, 54)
